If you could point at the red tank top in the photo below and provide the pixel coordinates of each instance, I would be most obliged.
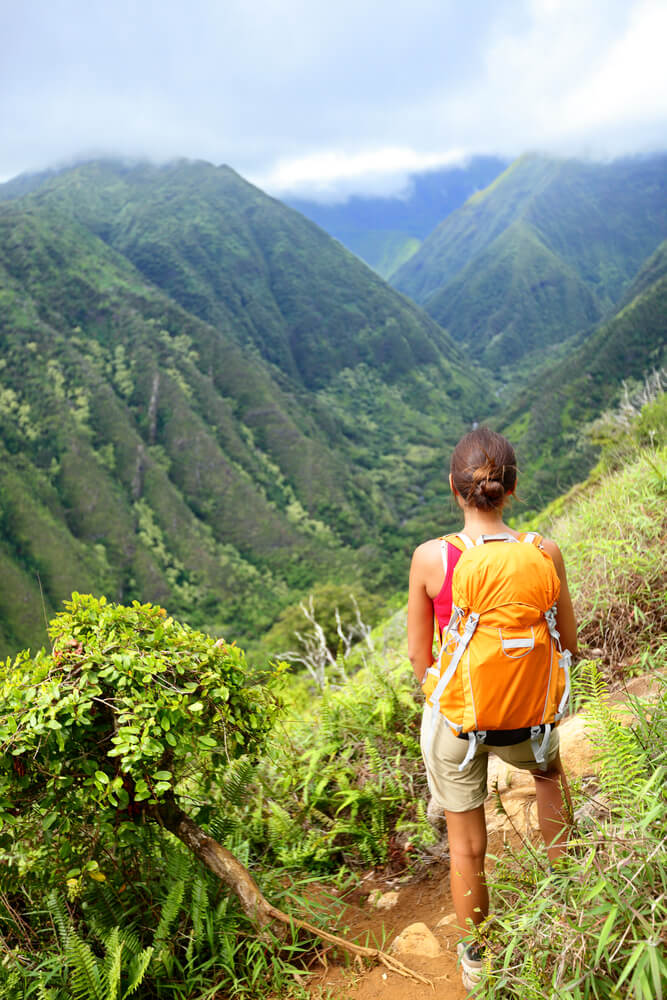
(442, 604)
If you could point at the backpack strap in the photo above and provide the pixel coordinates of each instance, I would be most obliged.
(501, 537)
(540, 743)
(475, 737)
(532, 538)
(468, 542)
(443, 551)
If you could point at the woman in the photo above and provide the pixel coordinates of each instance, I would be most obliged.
(482, 478)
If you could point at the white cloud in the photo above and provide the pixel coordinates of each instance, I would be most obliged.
(333, 175)
(308, 95)
(631, 82)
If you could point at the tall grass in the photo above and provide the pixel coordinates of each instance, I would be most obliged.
(613, 542)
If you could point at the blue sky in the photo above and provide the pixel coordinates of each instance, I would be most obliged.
(324, 99)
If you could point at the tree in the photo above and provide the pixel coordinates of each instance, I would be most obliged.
(129, 709)
(131, 716)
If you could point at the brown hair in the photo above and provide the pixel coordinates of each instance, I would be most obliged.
(483, 468)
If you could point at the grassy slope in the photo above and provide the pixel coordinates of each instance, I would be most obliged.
(588, 227)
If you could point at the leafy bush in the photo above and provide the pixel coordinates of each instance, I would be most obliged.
(342, 782)
(131, 716)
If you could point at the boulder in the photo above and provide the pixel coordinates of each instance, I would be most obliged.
(416, 939)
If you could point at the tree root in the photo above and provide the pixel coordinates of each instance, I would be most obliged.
(356, 949)
(254, 904)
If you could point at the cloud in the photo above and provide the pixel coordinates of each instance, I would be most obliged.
(334, 98)
(335, 175)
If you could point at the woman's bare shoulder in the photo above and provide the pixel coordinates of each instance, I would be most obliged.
(427, 551)
(552, 549)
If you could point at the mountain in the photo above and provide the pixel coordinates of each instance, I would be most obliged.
(385, 232)
(546, 420)
(205, 401)
(546, 251)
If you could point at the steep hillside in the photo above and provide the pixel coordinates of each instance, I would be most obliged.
(385, 232)
(250, 266)
(543, 253)
(219, 460)
(546, 420)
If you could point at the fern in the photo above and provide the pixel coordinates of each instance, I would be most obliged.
(137, 971)
(198, 907)
(59, 917)
(85, 980)
(622, 758)
(237, 784)
(112, 963)
(168, 915)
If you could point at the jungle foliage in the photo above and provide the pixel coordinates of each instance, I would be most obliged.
(204, 402)
(132, 712)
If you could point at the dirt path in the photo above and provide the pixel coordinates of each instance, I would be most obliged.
(422, 898)
(425, 898)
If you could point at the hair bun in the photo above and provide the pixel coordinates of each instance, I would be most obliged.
(483, 469)
(491, 489)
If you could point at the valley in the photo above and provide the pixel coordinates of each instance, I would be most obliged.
(209, 403)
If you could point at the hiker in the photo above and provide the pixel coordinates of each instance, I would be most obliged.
(482, 478)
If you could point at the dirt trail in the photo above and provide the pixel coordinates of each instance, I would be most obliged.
(425, 898)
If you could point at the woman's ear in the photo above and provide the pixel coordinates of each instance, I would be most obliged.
(451, 485)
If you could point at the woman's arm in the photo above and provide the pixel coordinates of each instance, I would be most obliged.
(565, 620)
(420, 617)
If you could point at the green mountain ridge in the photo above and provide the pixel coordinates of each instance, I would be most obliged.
(148, 452)
(545, 251)
(387, 231)
(239, 260)
(546, 420)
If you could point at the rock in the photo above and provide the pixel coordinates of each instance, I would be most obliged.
(435, 814)
(520, 814)
(576, 748)
(446, 921)
(383, 900)
(416, 939)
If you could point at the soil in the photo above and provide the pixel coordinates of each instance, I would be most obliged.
(423, 897)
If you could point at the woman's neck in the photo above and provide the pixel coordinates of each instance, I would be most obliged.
(480, 522)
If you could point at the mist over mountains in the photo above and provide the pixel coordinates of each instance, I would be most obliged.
(208, 402)
(384, 231)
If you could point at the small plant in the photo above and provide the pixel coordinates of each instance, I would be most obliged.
(594, 928)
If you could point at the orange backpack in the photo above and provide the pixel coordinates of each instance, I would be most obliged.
(501, 666)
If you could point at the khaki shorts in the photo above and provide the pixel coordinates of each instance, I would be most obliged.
(459, 791)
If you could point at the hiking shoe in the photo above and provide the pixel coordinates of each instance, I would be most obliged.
(472, 963)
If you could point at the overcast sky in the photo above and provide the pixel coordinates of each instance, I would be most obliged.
(309, 97)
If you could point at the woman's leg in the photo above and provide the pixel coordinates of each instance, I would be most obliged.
(554, 807)
(466, 833)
